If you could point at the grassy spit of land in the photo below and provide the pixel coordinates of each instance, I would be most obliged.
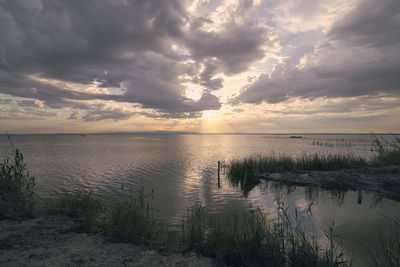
(329, 171)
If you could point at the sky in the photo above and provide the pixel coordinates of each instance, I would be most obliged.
(273, 66)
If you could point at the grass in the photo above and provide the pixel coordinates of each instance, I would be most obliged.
(128, 220)
(16, 187)
(132, 220)
(247, 170)
(85, 208)
(240, 237)
(245, 237)
(387, 152)
(388, 254)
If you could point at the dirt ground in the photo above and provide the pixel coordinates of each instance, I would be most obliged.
(49, 241)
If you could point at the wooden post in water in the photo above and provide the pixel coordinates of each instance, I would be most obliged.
(219, 171)
(359, 199)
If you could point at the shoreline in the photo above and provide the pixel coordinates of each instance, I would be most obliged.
(384, 180)
(52, 241)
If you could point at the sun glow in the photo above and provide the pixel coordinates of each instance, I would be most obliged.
(211, 115)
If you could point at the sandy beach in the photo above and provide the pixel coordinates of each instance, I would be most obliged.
(49, 241)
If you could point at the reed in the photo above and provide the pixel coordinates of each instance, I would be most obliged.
(132, 220)
(245, 237)
(83, 207)
(247, 170)
(387, 152)
(16, 187)
(388, 253)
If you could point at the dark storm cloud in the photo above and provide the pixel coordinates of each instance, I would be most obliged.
(235, 47)
(360, 57)
(124, 43)
(80, 41)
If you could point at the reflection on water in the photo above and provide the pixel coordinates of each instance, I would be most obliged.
(182, 170)
(358, 224)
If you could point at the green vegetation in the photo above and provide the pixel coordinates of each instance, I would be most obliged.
(248, 169)
(132, 220)
(16, 187)
(85, 208)
(389, 252)
(129, 220)
(242, 237)
(388, 152)
(238, 238)
(245, 237)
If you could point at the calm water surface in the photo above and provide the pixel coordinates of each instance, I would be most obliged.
(182, 171)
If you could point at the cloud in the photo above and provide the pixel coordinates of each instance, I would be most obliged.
(147, 50)
(129, 46)
(349, 62)
(371, 24)
(235, 46)
(74, 115)
(115, 114)
(300, 16)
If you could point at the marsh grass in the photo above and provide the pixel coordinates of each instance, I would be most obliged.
(132, 220)
(247, 170)
(16, 187)
(388, 253)
(245, 237)
(240, 237)
(84, 207)
(387, 152)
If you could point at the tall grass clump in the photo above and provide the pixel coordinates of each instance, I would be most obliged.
(245, 237)
(83, 207)
(248, 168)
(388, 254)
(386, 151)
(132, 220)
(239, 237)
(16, 187)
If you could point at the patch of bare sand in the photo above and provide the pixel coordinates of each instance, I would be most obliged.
(48, 241)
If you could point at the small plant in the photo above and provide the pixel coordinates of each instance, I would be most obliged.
(132, 220)
(194, 229)
(16, 187)
(84, 207)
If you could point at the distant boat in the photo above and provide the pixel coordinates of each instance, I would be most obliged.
(83, 135)
(295, 136)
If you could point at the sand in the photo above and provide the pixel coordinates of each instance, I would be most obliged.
(49, 241)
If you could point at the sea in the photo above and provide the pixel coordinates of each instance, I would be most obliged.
(181, 170)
